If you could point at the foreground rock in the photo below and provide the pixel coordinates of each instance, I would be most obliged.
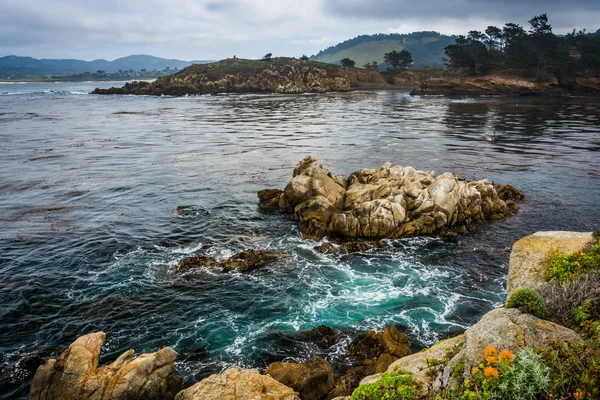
(453, 359)
(75, 374)
(236, 75)
(313, 379)
(391, 202)
(500, 85)
(244, 261)
(236, 383)
(371, 353)
(531, 256)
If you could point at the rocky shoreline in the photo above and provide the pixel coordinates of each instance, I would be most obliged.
(494, 85)
(234, 75)
(75, 374)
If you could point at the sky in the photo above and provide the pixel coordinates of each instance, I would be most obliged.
(217, 29)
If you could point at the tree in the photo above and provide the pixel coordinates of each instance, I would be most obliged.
(539, 25)
(398, 59)
(267, 57)
(346, 62)
(469, 55)
(494, 37)
(304, 57)
(373, 66)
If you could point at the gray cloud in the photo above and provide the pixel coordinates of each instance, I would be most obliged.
(561, 14)
(202, 29)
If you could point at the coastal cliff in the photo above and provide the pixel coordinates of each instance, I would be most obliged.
(236, 75)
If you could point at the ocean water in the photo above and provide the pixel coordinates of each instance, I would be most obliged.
(89, 233)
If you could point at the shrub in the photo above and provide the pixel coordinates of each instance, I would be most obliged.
(396, 385)
(563, 299)
(576, 265)
(574, 368)
(528, 301)
(527, 378)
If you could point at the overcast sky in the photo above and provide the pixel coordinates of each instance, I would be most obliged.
(216, 29)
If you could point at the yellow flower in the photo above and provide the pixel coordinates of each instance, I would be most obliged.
(490, 372)
(490, 351)
(506, 356)
(491, 360)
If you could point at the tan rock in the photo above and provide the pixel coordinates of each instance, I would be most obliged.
(531, 256)
(313, 379)
(236, 383)
(383, 362)
(75, 375)
(390, 202)
(395, 342)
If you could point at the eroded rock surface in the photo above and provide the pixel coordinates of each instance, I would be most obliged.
(389, 202)
(531, 257)
(244, 261)
(313, 379)
(236, 383)
(75, 375)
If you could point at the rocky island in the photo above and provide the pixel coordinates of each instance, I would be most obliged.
(237, 75)
(390, 202)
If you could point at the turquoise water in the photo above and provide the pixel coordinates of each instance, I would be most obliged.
(89, 234)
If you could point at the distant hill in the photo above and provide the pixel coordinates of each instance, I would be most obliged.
(427, 48)
(24, 67)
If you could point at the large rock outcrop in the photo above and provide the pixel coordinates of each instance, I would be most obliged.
(75, 375)
(531, 257)
(236, 383)
(443, 364)
(236, 75)
(313, 379)
(390, 202)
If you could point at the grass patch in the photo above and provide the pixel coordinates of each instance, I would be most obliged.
(576, 265)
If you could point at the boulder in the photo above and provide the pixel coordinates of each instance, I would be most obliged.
(323, 336)
(531, 256)
(313, 379)
(269, 199)
(349, 247)
(236, 383)
(383, 362)
(389, 202)
(244, 261)
(76, 375)
(506, 328)
(394, 342)
(346, 384)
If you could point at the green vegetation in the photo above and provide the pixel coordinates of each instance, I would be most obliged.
(304, 57)
(577, 265)
(537, 53)
(267, 57)
(528, 301)
(346, 62)
(397, 385)
(233, 66)
(574, 369)
(373, 66)
(427, 48)
(398, 59)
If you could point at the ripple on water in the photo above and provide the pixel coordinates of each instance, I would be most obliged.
(101, 196)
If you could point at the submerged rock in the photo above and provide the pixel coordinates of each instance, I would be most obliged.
(236, 383)
(313, 379)
(391, 202)
(349, 247)
(372, 353)
(323, 336)
(75, 375)
(244, 261)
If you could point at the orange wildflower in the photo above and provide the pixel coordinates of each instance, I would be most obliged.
(475, 370)
(490, 372)
(506, 356)
(578, 395)
(491, 360)
(490, 351)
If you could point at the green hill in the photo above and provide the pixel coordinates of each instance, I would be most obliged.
(427, 48)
